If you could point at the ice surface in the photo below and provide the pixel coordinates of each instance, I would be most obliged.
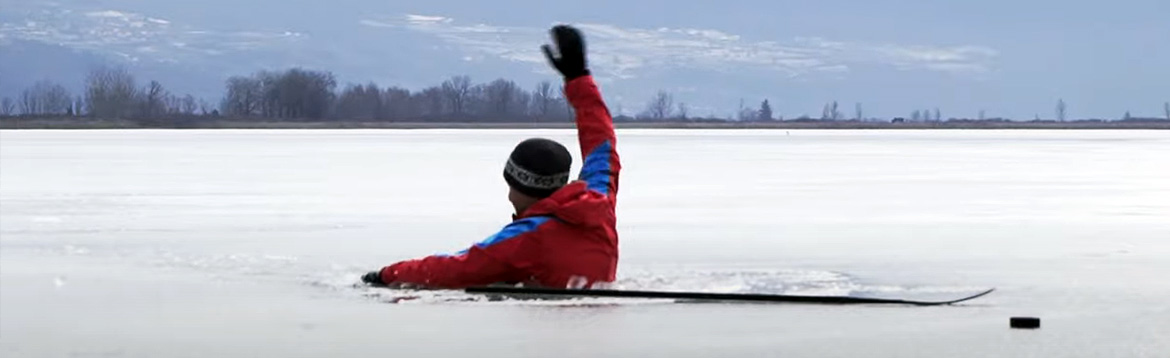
(229, 243)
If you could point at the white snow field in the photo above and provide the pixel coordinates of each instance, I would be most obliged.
(249, 243)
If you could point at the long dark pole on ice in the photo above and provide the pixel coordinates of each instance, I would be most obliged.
(704, 296)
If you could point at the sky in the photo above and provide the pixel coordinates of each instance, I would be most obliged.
(1101, 57)
(1007, 58)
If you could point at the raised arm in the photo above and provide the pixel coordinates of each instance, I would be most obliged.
(596, 134)
(594, 124)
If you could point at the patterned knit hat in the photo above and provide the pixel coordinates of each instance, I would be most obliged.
(538, 167)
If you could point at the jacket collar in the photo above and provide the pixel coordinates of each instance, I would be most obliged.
(559, 199)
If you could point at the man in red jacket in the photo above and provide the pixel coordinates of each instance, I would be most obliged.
(563, 234)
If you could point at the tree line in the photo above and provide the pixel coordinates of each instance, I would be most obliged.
(295, 95)
(109, 93)
(298, 94)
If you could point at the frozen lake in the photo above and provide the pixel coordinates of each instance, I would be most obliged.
(230, 243)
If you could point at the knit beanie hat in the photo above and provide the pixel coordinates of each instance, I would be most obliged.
(538, 167)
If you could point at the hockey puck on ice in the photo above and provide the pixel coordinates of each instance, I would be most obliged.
(1025, 322)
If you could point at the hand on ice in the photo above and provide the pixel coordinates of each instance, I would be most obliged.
(373, 278)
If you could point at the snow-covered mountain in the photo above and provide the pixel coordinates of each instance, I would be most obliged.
(193, 47)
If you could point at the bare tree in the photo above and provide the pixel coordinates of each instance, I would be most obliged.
(291, 94)
(982, 114)
(154, 100)
(29, 103)
(1127, 116)
(45, 98)
(563, 109)
(456, 91)
(396, 104)
(1166, 107)
(244, 96)
(765, 111)
(521, 100)
(660, 106)
(302, 94)
(174, 104)
(475, 103)
(361, 102)
(859, 113)
(542, 99)
(349, 102)
(374, 101)
(110, 92)
(504, 99)
(431, 101)
(7, 106)
(58, 100)
(916, 115)
(681, 113)
(937, 115)
(205, 108)
(831, 112)
(1060, 110)
(269, 103)
(78, 106)
(188, 105)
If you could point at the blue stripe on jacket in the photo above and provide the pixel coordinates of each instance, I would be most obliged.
(513, 229)
(597, 168)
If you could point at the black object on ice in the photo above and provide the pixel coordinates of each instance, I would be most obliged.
(702, 296)
(1025, 322)
(373, 278)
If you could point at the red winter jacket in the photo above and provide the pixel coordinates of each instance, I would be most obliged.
(567, 238)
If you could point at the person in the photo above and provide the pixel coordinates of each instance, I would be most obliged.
(562, 234)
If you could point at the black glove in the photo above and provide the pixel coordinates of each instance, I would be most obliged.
(571, 47)
(373, 278)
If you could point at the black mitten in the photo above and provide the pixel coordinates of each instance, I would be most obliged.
(373, 278)
(571, 47)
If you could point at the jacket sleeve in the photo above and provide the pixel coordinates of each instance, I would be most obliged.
(595, 131)
(499, 258)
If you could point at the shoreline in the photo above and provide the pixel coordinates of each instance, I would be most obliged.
(65, 124)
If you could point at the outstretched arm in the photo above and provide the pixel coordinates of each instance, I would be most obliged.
(499, 258)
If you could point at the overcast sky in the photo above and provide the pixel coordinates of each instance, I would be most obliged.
(1102, 57)
(1010, 58)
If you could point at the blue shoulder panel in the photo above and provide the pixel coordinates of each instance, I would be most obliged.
(513, 229)
(597, 170)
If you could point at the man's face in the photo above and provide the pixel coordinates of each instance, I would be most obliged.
(520, 201)
(513, 196)
(517, 199)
